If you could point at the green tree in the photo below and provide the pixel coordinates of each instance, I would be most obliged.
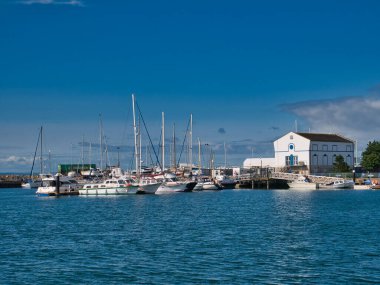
(340, 165)
(371, 156)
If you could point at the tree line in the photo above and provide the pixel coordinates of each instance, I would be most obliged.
(370, 159)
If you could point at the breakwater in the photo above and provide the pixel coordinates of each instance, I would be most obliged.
(11, 180)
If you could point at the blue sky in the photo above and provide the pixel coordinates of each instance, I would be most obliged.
(246, 70)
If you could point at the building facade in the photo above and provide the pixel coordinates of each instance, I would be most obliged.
(312, 153)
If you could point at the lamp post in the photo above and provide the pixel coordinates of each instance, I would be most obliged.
(353, 175)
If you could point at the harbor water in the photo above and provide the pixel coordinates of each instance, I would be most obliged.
(224, 237)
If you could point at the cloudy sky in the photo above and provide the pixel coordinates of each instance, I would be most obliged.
(246, 70)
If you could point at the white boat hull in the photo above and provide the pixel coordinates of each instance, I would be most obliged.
(303, 185)
(149, 188)
(109, 191)
(51, 191)
(205, 186)
(209, 186)
(171, 188)
(31, 184)
(340, 185)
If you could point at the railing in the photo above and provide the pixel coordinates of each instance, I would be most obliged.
(312, 178)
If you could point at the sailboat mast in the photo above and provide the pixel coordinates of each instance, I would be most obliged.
(101, 141)
(191, 144)
(199, 157)
(135, 136)
(82, 152)
(174, 150)
(49, 162)
(163, 141)
(225, 156)
(41, 151)
(140, 145)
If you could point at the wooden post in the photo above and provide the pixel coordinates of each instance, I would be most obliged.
(57, 185)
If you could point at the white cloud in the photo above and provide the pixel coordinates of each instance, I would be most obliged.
(20, 160)
(354, 117)
(55, 2)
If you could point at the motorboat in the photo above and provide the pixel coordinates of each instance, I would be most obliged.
(225, 182)
(206, 183)
(171, 184)
(58, 185)
(92, 172)
(340, 184)
(147, 185)
(303, 182)
(110, 187)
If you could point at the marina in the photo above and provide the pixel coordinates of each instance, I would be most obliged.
(189, 142)
(239, 234)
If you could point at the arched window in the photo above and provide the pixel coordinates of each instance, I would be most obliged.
(315, 159)
(325, 160)
(349, 160)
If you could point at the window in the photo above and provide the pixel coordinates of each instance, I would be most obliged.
(349, 160)
(314, 147)
(334, 148)
(291, 146)
(325, 147)
(348, 148)
(325, 160)
(315, 159)
(291, 137)
(291, 160)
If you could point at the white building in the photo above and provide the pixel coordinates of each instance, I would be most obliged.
(307, 153)
(314, 153)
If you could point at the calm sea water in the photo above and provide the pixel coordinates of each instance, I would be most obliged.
(226, 237)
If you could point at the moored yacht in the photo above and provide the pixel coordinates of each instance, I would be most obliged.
(206, 183)
(110, 187)
(225, 182)
(340, 184)
(147, 185)
(303, 182)
(58, 185)
(171, 184)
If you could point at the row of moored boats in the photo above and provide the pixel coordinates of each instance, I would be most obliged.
(58, 184)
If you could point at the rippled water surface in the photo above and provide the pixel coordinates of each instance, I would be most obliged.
(225, 237)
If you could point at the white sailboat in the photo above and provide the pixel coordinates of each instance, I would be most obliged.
(146, 185)
(31, 183)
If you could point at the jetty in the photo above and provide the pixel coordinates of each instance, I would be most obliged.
(261, 180)
(278, 180)
(313, 178)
